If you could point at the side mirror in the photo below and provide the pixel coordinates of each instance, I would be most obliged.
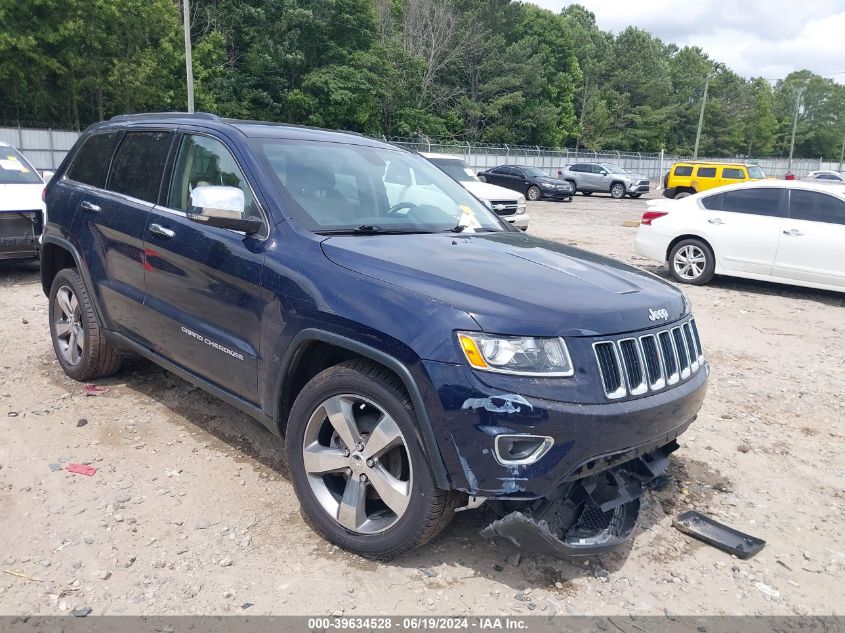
(222, 207)
(603, 172)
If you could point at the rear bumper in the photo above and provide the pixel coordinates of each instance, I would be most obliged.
(648, 243)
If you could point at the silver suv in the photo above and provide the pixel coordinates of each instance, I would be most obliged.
(588, 178)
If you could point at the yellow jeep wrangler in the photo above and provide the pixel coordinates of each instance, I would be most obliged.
(688, 177)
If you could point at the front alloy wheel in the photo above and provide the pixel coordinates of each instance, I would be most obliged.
(618, 191)
(533, 193)
(357, 463)
(691, 262)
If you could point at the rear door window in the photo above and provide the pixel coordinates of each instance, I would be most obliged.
(816, 207)
(758, 201)
(91, 163)
(683, 170)
(706, 172)
(139, 164)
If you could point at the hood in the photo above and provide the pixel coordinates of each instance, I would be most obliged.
(21, 197)
(512, 283)
(636, 177)
(486, 191)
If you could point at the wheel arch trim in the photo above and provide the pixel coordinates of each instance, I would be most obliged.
(78, 261)
(309, 335)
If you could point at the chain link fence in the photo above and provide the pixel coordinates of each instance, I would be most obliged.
(46, 149)
(651, 165)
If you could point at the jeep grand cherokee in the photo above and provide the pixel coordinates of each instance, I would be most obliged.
(409, 371)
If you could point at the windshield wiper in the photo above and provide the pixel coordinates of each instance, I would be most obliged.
(370, 229)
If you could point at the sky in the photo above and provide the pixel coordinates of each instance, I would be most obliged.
(755, 38)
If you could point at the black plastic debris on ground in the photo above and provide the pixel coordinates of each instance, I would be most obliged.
(717, 534)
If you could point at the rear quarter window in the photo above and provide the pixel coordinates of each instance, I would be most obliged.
(683, 170)
(706, 172)
(733, 173)
(139, 164)
(816, 207)
(90, 166)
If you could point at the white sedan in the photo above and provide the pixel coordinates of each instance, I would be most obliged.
(790, 232)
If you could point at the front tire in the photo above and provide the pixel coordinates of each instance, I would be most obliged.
(361, 476)
(78, 340)
(617, 190)
(533, 193)
(691, 261)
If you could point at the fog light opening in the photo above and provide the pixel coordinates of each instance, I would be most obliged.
(516, 450)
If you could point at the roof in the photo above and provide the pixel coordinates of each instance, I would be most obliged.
(809, 185)
(252, 129)
(713, 162)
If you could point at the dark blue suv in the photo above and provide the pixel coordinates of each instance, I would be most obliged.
(418, 355)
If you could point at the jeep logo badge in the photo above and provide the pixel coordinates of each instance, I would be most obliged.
(658, 315)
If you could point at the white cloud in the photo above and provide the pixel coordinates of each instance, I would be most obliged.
(762, 38)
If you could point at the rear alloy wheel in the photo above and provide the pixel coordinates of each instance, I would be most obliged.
(533, 193)
(361, 477)
(78, 340)
(617, 190)
(574, 187)
(691, 262)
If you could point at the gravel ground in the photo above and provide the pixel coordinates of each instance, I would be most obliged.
(191, 511)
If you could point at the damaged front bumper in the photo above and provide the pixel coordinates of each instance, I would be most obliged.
(587, 516)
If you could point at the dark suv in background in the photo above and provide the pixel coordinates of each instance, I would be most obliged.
(373, 325)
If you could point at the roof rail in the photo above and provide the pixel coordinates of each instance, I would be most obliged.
(207, 116)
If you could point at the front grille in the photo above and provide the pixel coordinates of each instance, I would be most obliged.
(504, 207)
(643, 183)
(634, 366)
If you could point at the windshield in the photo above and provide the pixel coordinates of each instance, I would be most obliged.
(613, 169)
(755, 172)
(336, 187)
(14, 170)
(455, 168)
(534, 172)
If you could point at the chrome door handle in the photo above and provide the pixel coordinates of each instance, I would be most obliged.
(158, 229)
(793, 233)
(716, 221)
(90, 206)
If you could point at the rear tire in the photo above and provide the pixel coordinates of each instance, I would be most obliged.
(573, 185)
(691, 261)
(358, 396)
(78, 340)
(586, 193)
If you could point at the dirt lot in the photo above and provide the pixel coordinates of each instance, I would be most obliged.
(191, 511)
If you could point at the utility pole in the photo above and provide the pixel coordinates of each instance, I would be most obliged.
(841, 154)
(798, 96)
(581, 118)
(701, 116)
(189, 63)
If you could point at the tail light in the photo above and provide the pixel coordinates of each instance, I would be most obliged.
(44, 194)
(651, 216)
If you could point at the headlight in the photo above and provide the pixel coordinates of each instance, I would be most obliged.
(547, 185)
(521, 201)
(521, 355)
